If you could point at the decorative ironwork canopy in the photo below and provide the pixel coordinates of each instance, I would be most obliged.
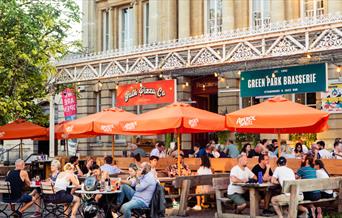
(282, 41)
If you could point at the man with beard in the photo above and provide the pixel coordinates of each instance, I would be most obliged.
(239, 174)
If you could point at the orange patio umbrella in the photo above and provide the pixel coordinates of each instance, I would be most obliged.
(277, 115)
(176, 117)
(21, 129)
(105, 122)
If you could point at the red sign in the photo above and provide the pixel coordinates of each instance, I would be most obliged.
(158, 92)
(69, 102)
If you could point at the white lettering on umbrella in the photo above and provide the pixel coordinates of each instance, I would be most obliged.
(193, 122)
(107, 128)
(2, 134)
(69, 128)
(130, 126)
(245, 121)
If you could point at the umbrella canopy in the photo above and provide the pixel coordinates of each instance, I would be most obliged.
(179, 117)
(61, 134)
(105, 122)
(21, 129)
(277, 115)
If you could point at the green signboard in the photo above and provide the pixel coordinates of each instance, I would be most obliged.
(279, 81)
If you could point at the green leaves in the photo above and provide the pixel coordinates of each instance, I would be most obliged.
(32, 32)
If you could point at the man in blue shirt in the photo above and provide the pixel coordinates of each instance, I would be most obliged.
(199, 150)
(144, 190)
(108, 167)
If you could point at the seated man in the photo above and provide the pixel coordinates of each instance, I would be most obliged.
(144, 190)
(239, 174)
(74, 161)
(108, 167)
(265, 168)
(154, 161)
(282, 173)
(18, 178)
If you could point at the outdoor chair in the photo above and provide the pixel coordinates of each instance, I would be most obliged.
(49, 207)
(13, 206)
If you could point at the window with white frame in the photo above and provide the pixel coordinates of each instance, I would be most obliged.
(312, 8)
(260, 16)
(98, 101)
(308, 99)
(118, 138)
(126, 27)
(113, 92)
(214, 16)
(105, 30)
(146, 23)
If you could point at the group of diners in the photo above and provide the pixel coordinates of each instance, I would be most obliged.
(310, 169)
(135, 192)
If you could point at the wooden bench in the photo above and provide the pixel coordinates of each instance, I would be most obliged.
(305, 185)
(187, 182)
(220, 186)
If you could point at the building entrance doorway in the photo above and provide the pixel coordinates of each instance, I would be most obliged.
(204, 94)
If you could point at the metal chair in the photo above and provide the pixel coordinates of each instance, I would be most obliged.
(5, 191)
(49, 207)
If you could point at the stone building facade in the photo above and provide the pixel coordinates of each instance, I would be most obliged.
(205, 45)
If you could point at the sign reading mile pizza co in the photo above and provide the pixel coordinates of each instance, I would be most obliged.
(158, 92)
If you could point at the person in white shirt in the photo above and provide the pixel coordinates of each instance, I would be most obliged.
(239, 174)
(323, 153)
(337, 153)
(282, 173)
(158, 150)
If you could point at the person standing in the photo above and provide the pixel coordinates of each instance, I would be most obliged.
(239, 174)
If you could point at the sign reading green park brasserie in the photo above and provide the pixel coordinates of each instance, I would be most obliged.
(279, 81)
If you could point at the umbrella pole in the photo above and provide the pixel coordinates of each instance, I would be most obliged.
(178, 150)
(21, 149)
(67, 147)
(113, 144)
(279, 145)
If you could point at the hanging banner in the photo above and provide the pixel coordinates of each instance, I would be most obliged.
(332, 99)
(280, 81)
(158, 92)
(70, 110)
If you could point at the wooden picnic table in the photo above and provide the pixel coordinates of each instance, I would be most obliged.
(166, 179)
(254, 189)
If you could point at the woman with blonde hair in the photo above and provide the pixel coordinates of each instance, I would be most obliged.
(55, 167)
(62, 182)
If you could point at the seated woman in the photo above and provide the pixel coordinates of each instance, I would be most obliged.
(132, 178)
(55, 167)
(62, 182)
(129, 183)
(321, 173)
(298, 151)
(86, 169)
(205, 169)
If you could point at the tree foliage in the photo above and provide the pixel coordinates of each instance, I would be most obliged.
(32, 37)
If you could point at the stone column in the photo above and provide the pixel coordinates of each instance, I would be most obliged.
(99, 30)
(228, 15)
(115, 28)
(88, 24)
(196, 18)
(168, 20)
(153, 21)
(110, 26)
(183, 18)
(277, 11)
(292, 9)
(241, 11)
(334, 6)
